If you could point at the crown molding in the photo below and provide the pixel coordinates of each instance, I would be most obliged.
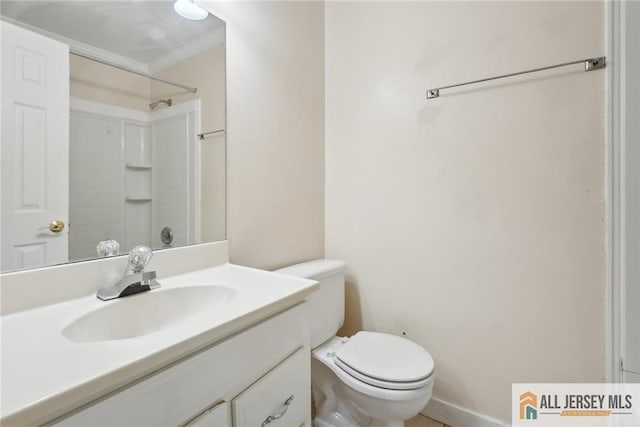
(195, 47)
(83, 48)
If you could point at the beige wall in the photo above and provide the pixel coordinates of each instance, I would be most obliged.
(100, 83)
(275, 124)
(474, 222)
(205, 71)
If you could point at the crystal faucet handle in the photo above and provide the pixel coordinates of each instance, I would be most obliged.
(139, 257)
(108, 248)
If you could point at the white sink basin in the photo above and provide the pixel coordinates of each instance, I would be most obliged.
(146, 312)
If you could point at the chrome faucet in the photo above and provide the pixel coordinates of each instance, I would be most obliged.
(135, 278)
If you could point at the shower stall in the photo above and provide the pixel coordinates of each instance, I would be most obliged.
(136, 173)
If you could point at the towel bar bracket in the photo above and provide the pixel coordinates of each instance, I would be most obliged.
(433, 93)
(595, 63)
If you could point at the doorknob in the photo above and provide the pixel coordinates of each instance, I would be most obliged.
(56, 226)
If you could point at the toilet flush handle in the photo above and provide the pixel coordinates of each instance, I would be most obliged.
(278, 414)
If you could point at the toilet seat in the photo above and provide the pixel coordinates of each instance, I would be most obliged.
(390, 385)
(326, 354)
(385, 361)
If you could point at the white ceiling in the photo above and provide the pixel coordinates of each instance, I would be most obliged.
(145, 32)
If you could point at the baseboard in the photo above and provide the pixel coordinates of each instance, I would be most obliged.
(457, 416)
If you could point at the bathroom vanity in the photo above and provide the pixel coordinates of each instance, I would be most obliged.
(240, 381)
(216, 345)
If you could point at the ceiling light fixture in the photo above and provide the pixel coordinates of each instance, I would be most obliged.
(188, 9)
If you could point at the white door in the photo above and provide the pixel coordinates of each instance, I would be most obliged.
(34, 149)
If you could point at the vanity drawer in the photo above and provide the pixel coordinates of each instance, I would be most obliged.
(280, 398)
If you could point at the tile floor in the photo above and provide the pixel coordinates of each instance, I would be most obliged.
(422, 421)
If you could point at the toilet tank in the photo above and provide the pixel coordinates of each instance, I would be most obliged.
(326, 305)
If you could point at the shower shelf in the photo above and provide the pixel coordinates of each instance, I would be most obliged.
(138, 166)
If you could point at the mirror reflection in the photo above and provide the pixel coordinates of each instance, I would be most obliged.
(113, 118)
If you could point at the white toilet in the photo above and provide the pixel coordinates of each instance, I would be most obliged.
(370, 379)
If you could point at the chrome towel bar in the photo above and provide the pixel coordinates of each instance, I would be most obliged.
(590, 64)
(203, 134)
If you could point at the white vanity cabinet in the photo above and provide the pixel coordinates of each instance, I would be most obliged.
(259, 375)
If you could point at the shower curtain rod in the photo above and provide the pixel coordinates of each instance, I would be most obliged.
(590, 64)
(134, 71)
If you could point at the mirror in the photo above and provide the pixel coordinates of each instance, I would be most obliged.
(113, 130)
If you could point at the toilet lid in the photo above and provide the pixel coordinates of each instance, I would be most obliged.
(385, 360)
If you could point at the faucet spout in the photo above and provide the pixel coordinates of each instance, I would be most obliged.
(129, 285)
(135, 279)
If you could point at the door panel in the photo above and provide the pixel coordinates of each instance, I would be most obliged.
(30, 146)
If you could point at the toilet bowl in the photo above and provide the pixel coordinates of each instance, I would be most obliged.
(370, 379)
(382, 380)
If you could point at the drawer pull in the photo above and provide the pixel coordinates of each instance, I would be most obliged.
(278, 414)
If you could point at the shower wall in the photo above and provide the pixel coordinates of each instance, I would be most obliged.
(96, 182)
(174, 203)
(132, 173)
(105, 202)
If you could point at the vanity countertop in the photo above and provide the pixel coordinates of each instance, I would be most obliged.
(45, 374)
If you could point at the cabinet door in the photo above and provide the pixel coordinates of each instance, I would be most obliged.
(219, 415)
(280, 398)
